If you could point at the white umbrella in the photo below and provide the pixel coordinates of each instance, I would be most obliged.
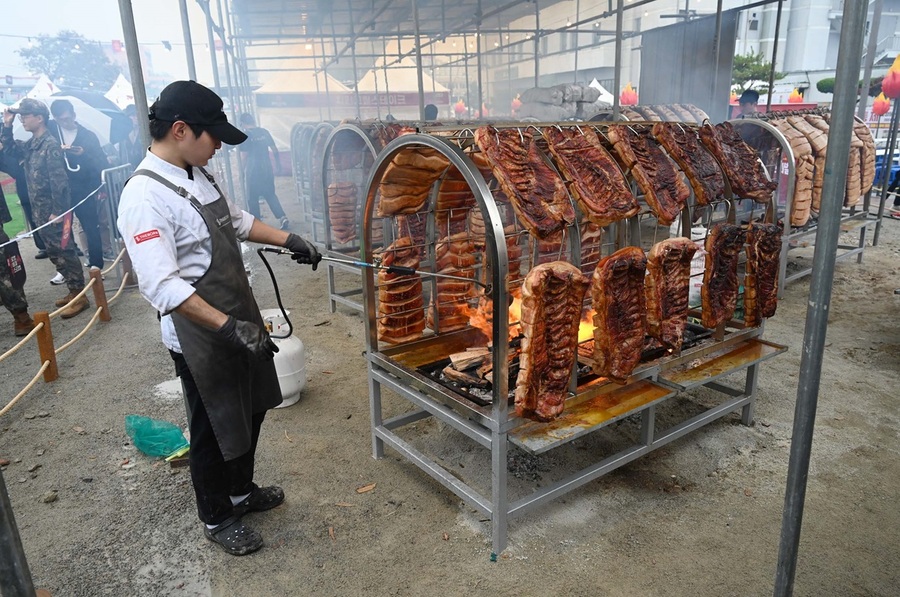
(103, 124)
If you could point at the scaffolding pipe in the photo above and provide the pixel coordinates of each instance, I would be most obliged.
(419, 79)
(204, 4)
(325, 77)
(537, 40)
(717, 48)
(478, 72)
(871, 48)
(775, 54)
(819, 303)
(577, 17)
(353, 62)
(134, 68)
(188, 43)
(15, 577)
(617, 75)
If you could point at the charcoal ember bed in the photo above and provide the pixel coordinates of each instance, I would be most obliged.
(483, 396)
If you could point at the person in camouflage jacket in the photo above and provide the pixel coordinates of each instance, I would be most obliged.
(12, 297)
(48, 184)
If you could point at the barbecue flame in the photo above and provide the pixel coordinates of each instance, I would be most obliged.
(586, 326)
(795, 97)
(483, 317)
(629, 96)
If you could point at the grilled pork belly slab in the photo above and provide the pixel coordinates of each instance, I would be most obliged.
(552, 296)
(535, 190)
(667, 289)
(720, 282)
(620, 320)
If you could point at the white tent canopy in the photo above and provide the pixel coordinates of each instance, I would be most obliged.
(605, 96)
(302, 82)
(43, 89)
(121, 93)
(398, 77)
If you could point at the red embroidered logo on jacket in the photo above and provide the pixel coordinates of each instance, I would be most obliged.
(149, 235)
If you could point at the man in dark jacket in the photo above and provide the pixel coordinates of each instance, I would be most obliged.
(258, 175)
(85, 160)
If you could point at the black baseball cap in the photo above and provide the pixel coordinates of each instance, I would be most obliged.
(31, 106)
(191, 102)
(750, 96)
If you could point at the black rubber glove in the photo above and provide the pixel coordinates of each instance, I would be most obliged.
(250, 336)
(303, 251)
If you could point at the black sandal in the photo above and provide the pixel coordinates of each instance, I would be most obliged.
(260, 500)
(234, 537)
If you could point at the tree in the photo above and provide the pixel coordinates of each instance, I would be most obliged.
(827, 86)
(70, 61)
(752, 68)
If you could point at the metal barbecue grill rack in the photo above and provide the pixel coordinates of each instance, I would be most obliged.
(778, 157)
(484, 411)
(301, 141)
(347, 159)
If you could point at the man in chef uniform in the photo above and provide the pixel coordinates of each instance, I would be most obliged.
(182, 236)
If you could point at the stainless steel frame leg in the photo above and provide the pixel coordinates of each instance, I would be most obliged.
(376, 416)
(747, 412)
(329, 270)
(648, 425)
(499, 503)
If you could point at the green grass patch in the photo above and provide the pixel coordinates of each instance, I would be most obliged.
(17, 224)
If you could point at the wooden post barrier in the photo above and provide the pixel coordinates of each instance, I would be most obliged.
(45, 345)
(100, 294)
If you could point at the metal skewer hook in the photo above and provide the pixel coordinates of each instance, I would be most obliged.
(391, 269)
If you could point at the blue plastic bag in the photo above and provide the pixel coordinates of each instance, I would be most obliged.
(154, 438)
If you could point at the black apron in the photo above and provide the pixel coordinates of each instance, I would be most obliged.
(233, 384)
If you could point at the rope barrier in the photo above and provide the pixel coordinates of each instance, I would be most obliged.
(25, 389)
(114, 263)
(44, 335)
(21, 343)
(80, 334)
(125, 278)
(74, 298)
(30, 233)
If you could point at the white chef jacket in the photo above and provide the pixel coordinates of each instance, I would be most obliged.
(167, 240)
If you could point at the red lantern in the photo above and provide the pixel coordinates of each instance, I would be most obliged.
(459, 107)
(516, 104)
(629, 96)
(881, 105)
(890, 85)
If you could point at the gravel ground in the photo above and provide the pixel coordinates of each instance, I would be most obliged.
(700, 516)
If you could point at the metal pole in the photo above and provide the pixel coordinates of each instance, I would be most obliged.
(15, 577)
(888, 162)
(775, 54)
(325, 77)
(468, 98)
(577, 18)
(819, 303)
(478, 72)
(617, 74)
(419, 79)
(188, 43)
(353, 59)
(204, 4)
(717, 49)
(134, 68)
(537, 40)
(870, 58)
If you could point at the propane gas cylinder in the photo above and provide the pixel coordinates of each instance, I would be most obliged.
(290, 360)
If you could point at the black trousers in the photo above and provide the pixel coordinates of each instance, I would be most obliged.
(214, 479)
(90, 222)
